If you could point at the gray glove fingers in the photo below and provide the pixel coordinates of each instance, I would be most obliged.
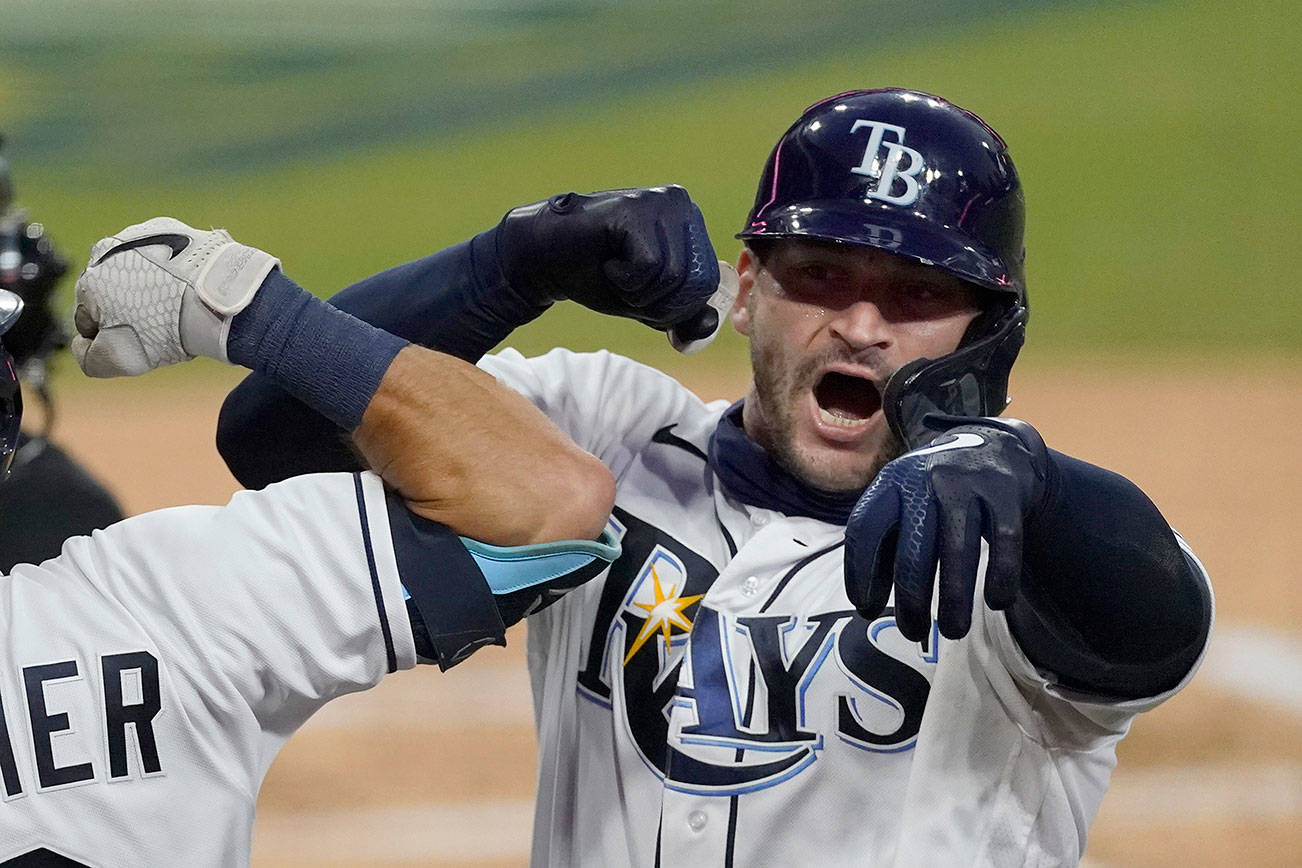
(915, 564)
(86, 315)
(870, 544)
(1004, 566)
(960, 558)
(115, 351)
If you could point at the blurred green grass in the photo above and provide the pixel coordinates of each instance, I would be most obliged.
(1156, 142)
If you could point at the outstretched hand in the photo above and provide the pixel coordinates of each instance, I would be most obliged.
(982, 477)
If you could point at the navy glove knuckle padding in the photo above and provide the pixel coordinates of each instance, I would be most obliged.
(915, 560)
(1006, 478)
(693, 319)
(934, 509)
(638, 253)
(703, 264)
(870, 547)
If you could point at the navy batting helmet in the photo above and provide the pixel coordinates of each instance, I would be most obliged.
(11, 398)
(915, 175)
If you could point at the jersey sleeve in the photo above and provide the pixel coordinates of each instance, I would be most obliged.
(279, 601)
(610, 405)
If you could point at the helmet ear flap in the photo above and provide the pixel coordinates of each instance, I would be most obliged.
(971, 381)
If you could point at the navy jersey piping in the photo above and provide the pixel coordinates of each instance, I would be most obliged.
(391, 658)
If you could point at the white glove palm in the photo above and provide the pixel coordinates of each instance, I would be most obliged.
(161, 292)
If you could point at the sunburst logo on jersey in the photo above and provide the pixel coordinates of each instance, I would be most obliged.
(665, 611)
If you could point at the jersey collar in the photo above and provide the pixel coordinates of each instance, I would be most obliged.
(748, 474)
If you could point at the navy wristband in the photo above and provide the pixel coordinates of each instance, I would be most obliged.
(328, 359)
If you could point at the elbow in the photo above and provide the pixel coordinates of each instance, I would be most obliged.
(583, 508)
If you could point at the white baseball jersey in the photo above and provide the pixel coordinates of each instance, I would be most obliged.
(149, 674)
(715, 699)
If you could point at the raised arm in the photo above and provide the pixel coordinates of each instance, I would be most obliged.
(460, 449)
(640, 253)
(1099, 592)
(496, 513)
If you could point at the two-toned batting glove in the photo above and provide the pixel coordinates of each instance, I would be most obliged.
(982, 477)
(161, 292)
(641, 253)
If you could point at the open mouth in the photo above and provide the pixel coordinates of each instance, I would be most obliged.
(846, 400)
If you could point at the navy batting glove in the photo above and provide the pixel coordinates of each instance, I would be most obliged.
(641, 253)
(982, 477)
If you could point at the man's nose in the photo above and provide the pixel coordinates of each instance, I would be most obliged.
(861, 325)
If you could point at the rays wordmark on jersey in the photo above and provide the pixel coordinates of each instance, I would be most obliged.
(752, 699)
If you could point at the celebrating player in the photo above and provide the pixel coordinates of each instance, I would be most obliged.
(150, 673)
(858, 617)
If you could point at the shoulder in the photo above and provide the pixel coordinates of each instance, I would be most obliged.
(611, 404)
(600, 367)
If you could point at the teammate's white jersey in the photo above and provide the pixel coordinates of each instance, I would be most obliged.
(150, 673)
(716, 700)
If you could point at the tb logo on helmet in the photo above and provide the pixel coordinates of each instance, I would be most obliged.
(887, 171)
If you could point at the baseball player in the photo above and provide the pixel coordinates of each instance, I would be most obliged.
(859, 618)
(150, 673)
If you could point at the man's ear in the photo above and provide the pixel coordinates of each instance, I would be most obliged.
(747, 267)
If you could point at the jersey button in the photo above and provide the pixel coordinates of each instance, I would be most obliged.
(750, 587)
(696, 820)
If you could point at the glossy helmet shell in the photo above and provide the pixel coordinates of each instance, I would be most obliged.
(902, 171)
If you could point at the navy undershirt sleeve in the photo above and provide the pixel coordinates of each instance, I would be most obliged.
(455, 301)
(453, 610)
(1110, 604)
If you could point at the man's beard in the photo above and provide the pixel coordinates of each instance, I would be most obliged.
(776, 387)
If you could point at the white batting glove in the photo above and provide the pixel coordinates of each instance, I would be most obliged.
(161, 292)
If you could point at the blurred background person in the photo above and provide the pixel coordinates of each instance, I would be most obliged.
(49, 496)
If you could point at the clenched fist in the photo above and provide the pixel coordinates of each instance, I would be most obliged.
(161, 292)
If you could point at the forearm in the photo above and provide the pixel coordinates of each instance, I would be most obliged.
(641, 253)
(461, 449)
(266, 435)
(1110, 603)
(455, 301)
(472, 454)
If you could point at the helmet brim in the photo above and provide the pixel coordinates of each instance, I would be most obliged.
(875, 224)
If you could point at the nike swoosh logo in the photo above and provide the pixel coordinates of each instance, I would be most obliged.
(962, 440)
(178, 243)
(667, 436)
